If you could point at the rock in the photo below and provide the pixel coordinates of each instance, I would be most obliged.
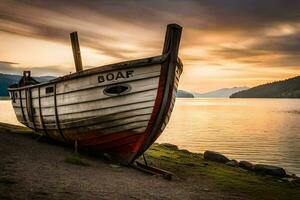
(215, 156)
(114, 166)
(269, 170)
(189, 164)
(288, 179)
(170, 146)
(246, 165)
(107, 157)
(185, 151)
(232, 163)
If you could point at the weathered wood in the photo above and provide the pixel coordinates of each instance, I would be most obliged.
(91, 108)
(63, 91)
(153, 170)
(172, 40)
(97, 112)
(101, 122)
(31, 108)
(82, 121)
(109, 103)
(27, 106)
(76, 51)
(56, 115)
(21, 104)
(107, 68)
(171, 47)
(40, 113)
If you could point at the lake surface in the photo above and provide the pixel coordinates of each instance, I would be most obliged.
(258, 130)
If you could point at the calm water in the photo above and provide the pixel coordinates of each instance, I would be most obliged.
(258, 130)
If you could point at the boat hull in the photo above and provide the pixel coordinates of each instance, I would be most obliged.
(120, 109)
(80, 109)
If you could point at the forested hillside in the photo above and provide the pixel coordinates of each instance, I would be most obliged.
(9, 79)
(289, 88)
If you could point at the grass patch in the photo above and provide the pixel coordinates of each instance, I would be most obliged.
(4, 98)
(230, 179)
(15, 128)
(75, 159)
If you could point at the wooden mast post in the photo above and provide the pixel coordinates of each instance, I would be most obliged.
(172, 40)
(76, 51)
(78, 65)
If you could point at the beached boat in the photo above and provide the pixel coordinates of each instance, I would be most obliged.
(120, 109)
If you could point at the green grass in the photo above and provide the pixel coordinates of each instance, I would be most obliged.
(15, 128)
(4, 98)
(227, 178)
(75, 159)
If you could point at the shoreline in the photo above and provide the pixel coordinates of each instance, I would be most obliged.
(39, 170)
(253, 162)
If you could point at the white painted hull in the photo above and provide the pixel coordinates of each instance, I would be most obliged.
(120, 108)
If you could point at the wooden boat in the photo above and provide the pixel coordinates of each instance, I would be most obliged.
(119, 109)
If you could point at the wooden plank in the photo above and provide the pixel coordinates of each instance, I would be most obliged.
(28, 119)
(109, 141)
(76, 51)
(65, 88)
(102, 112)
(71, 133)
(95, 112)
(30, 109)
(42, 123)
(97, 93)
(21, 104)
(93, 118)
(128, 100)
(106, 120)
(152, 170)
(117, 66)
(56, 115)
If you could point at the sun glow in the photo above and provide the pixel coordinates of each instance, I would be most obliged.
(218, 49)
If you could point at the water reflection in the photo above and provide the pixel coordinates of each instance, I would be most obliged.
(7, 114)
(258, 130)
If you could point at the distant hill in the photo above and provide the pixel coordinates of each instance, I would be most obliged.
(289, 88)
(221, 93)
(184, 94)
(9, 79)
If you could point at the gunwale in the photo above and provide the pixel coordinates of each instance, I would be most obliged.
(105, 68)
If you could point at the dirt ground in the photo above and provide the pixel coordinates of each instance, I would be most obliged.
(31, 169)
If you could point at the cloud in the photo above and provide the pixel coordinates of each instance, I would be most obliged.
(13, 68)
(287, 44)
(7, 63)
(276, 51)
(217, 33)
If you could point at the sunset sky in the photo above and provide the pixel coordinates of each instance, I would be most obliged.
(224, 43)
